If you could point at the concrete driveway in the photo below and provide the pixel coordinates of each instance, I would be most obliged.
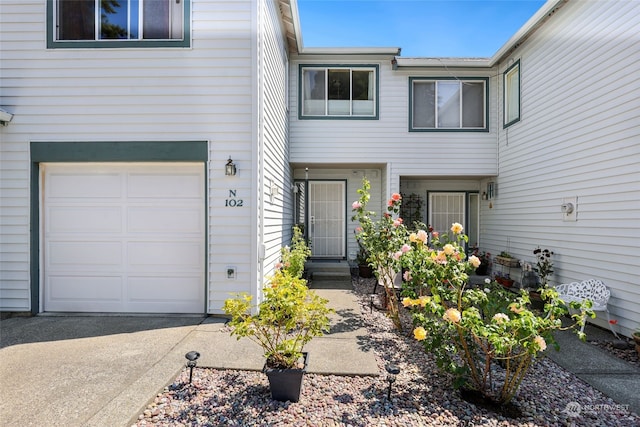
(104, 370)
(85, 371)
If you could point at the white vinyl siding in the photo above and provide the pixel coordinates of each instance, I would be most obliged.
(274, 195)
(387, 140)
(90, 97)
(579, 139)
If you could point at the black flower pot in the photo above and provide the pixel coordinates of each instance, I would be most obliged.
(286, 384)
(365, 271)
(482, 270)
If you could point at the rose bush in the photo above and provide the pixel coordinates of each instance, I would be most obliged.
(487, 337)
(383, 242)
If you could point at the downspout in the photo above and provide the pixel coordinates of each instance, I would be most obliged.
(258, 154)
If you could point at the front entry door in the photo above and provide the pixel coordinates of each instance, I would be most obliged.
(327, 218)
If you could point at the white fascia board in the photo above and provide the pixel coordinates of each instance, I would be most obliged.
(297, 29)
(443, 62)
(387, 51)
(547, 9)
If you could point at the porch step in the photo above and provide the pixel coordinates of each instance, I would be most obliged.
(331, 275)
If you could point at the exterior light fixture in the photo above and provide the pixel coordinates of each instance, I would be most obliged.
(566, 208)
(5, 117)
(230, 168)
(192, 356)
(392, 370)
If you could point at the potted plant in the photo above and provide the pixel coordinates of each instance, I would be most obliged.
(364, 269)
(288, 317)
(544, 265)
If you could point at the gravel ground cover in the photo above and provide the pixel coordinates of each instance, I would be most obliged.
(629, 354)
(421, 395)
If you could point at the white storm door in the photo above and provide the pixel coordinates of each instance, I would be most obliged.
(327, 218)
(444, 210)
(123, 237)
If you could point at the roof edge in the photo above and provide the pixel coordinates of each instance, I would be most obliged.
(391, 51)
(443, 62)
(535, 22)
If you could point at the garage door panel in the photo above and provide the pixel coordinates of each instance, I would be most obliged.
(152, 220)
(124, 237)
(84, 185)
(162, 256)
(74, 289)
(173, 186)
(95, 219)
(162, 288)
(83, 256)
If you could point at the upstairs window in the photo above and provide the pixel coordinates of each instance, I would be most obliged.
(338, 92)
(448, 104)
(511, 104)
(118, 23)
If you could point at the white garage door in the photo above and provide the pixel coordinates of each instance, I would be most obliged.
(123, 237)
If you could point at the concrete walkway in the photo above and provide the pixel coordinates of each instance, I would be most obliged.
(614, 377)
(103, 371)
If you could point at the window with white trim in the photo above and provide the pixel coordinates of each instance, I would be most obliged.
(338, 92)
(117, 23)
(511, 105)
(448, 104)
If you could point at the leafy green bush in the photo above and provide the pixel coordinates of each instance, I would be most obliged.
(288, 317)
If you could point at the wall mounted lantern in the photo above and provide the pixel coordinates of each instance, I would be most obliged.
(230, 168)
(5, 117)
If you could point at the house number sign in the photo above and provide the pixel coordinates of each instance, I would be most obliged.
(232, 201)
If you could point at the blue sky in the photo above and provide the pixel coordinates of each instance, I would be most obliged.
(424, 28)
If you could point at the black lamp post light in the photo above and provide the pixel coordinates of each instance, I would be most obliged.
(192, 356)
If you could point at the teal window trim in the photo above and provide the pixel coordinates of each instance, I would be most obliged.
(376, 114)
(52, 43)
(461, 129)
(137, 151)
(516, 66)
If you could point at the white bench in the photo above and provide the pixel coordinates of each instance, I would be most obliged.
(593, 290)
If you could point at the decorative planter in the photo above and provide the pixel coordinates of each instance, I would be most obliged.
(508, 262)
(504, 281)
(286, 384)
